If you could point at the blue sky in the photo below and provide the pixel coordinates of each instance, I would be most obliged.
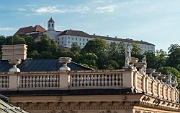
(154, 21)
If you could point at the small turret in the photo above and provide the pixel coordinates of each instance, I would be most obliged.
(51, 24)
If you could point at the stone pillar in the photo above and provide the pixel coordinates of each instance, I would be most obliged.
(64, 79)
(128, 77)
(13, 81)
(64, 73)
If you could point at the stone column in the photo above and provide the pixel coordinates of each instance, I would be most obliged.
(13, 81)
(128, 79)
(64, 73)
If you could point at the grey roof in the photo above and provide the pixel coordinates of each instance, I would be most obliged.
(74, 33)
(39, 65)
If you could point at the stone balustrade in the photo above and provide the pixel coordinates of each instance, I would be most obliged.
(100, 79)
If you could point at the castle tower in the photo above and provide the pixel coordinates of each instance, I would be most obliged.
(51, 24)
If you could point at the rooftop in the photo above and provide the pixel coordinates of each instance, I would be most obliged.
(39, 65)
(30, 29)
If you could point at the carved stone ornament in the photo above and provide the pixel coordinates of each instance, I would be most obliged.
(88, 103)
(99, 103)
(65, 60)
(59, 98)
(108, 111)
(14, 62)
(66, 103)
(110, 103)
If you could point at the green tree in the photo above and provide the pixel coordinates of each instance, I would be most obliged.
(161, 57)
(173, 55)
(10, 40)
(90, 59)
(99, 48)
(151, 59)
(75, 52)
(136, 50)
(46, 44)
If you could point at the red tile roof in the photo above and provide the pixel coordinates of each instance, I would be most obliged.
(30, 29)
(51, 20)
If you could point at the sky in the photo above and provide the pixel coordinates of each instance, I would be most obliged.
(153, 21)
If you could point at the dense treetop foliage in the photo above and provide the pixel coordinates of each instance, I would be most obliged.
(97, 54)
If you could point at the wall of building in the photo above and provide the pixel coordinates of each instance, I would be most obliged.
(67, 40)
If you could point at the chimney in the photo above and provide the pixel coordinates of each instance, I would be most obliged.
(18, 51)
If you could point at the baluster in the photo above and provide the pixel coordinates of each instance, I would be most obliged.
(78, 80)
(94, 80)
(105, 80)
(99, 80)
(46, 81)
(87, 79)
(6, 82)
(84, 80)
(0, 82)
(23, 77)
(37, 81)
(91, 80)
(57, 80)
(43, 81)
(110, 80)
(81, 80)
(54, 81)
(116, 81)
(75, 80)
(27, 81)
(51, 80)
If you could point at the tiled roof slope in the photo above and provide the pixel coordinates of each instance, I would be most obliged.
(39, 65)
(30, 29)
(74, 33)
(83, 34)
(8, 108)
(120, 39)
(51, 20)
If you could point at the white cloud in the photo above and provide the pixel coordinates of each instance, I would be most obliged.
(80, 9)
(49, 9)
(6, 29)
(21, 9)
(109, 8)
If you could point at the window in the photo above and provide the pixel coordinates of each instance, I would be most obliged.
(87, 39)
(68, 42)
(48, 25)
(58, 38)
(62, 37)
(68, 37)
(83, 39)
(62, 42)
(72, 38)
(79, 43)
(52, 25)
(76, 38)
(80, 39)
